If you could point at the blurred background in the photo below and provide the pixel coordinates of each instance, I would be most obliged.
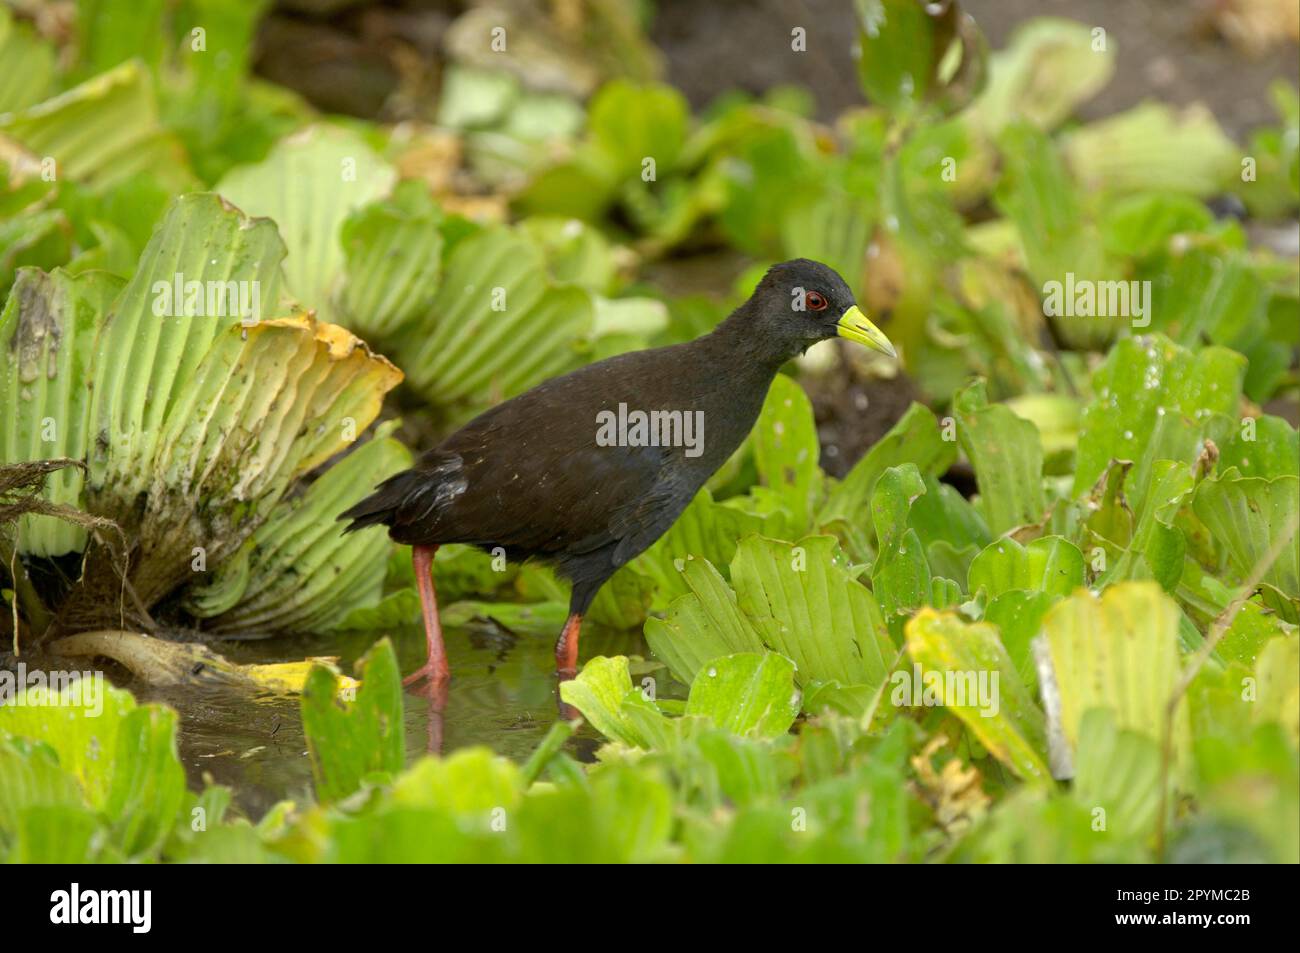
(370, 59)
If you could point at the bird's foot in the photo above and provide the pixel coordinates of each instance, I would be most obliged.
(436, 673)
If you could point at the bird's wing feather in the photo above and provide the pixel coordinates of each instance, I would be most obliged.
(574, 495)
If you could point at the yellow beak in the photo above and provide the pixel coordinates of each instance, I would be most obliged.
(855, 326)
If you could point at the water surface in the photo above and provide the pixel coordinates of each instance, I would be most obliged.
(502, 695)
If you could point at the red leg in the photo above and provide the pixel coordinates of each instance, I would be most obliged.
(435, 665)
(566, 649)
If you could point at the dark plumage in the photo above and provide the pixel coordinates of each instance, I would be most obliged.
(531, 476)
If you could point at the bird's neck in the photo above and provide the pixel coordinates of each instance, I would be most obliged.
(738, 347)
(739, 371)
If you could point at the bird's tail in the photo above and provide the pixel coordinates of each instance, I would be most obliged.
(380, 507)
(408, 500)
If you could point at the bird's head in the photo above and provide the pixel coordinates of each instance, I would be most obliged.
(801, 302)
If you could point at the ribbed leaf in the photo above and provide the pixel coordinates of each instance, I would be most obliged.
(47, 340)
(916, 438)
(1048, 67)
(1118, 652)
(1007, 455)
(786, 450)
(706, 530)
(144, 361)
(1152, 147)
(350, 742)
(747, 694)
(1246, 515)
(266, 405)
(309, 184)
(497, 325)
(299, 572)
(703, 624)
(900, 575)
(1050, 564)
(1117, 771)
(808, 607)
(1153, 402)
(393, 252)
(1013, 729)
(103, 132)
(28, 64)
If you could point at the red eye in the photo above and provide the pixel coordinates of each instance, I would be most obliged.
(815, 301)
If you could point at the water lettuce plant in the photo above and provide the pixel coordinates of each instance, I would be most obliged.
(191, 427)
(1050, 615)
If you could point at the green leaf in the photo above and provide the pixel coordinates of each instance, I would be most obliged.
(34, 779)
(1278, 672)
(1153, 147)
(705, 529)
(498, 325)
(56, 834)
(916, 438)
(1051, 564)
(1153, 401)
(1118, 652)
(835, 229)
(1246, 515)
(1143, 224)
(630, 123)
(299, 571)
(703, 624)
(1013, 728)
(351, 741)
(1266, 447)
(103, 132)
(542, 618)
(901, 574)
(110, 31)
(1252, 628)
(393, 259)
(29, 64)
(468, 781)
(393, 611)
(123, 756)
(604, 694)
(47, 339)
(747, 694)
(624, 816)
(148, 785)
(1118, 772)
(1007, 455)
(309, 185)
(1048, 67)
(84, 737)
(1037, 193)
(913, 53)
(807, 606)
(1018, 614)
(1209, 291)
(786, 450)
(475, 98)
(624, 601)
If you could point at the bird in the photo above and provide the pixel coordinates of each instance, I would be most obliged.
(569, 472)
